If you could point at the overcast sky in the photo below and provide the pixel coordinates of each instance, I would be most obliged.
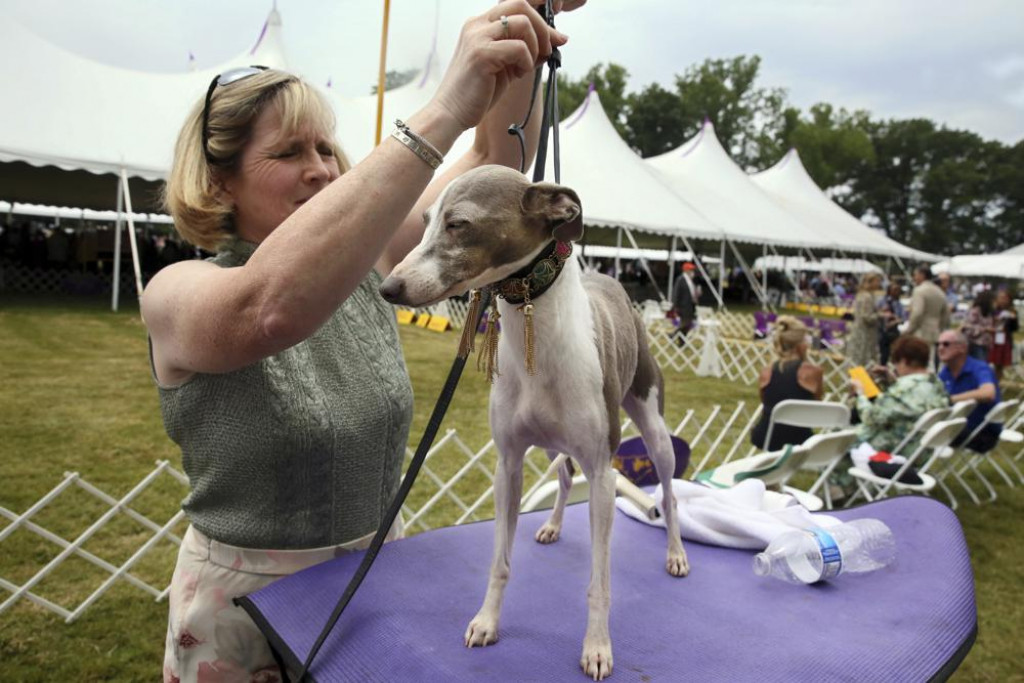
(958, 63)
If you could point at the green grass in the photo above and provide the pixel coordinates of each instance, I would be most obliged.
(75, 395)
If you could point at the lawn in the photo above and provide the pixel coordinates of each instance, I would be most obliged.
(76, 396)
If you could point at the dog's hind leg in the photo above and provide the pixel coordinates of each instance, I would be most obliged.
(508, 489)
(551, 529)
(656, 437)
(596, 659)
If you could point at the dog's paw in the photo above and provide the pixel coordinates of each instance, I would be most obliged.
(596, 661)
(677, 564)
(548, 533)
(482, 631)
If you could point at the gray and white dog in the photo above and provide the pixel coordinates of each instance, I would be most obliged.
(591, 358)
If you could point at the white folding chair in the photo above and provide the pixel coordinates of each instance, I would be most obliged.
(938, 437)
(813, 414)
(962, 409)
(772, 468)
(922, 424)
(969, 460)
(824, 453)
(1012, 435)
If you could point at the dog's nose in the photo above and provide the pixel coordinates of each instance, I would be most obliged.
(392, 288)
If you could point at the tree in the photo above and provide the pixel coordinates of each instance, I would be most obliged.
(748, 119)
(832, 144)
(655, 122)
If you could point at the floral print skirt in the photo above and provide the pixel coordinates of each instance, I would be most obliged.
(209, 639)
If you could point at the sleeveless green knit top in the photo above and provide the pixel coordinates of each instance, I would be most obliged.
(303, 449)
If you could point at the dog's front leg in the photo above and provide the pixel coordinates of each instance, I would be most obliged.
(508, 489)
(551, 529)
(596, 659)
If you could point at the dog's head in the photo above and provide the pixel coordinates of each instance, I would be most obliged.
(487, 224)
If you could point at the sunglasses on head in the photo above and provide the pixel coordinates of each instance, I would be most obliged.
(227, 78)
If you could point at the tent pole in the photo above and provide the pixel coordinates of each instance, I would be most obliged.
(115, 285)
(721, 273)
(750, 277)
(785, 270)
(703, 272)
(382, 71)
(131, 234)
(671, 263)
(646, 266)
(618, 253)
(764, 270)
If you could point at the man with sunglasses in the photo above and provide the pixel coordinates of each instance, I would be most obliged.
(967, 378)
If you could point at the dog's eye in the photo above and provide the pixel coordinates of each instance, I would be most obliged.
(454, 225)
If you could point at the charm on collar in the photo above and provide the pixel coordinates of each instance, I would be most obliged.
(522, 287)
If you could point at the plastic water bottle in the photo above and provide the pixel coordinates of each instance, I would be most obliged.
(807, 556)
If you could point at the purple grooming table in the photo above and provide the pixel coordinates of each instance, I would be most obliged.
(914, 621)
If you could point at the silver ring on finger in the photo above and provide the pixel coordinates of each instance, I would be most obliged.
(504, 25)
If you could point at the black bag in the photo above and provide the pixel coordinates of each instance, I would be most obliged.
(889, 470)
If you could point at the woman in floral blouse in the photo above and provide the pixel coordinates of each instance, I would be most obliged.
(913, 390)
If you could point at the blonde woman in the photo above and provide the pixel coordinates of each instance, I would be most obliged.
(791, 376)
(862, 344)
(279, 367)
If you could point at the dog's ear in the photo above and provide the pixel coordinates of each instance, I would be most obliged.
(558, 206)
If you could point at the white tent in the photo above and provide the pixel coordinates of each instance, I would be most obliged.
(703, 174)
(67, 213)
(78, 114)
(615, 186)
(1019, 249)
(792, 187)
(795, 264)
(1005, 265)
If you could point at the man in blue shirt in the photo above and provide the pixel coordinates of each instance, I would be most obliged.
(967, 378)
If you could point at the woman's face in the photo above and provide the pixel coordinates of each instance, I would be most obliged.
(1003, 299)
(277, 174)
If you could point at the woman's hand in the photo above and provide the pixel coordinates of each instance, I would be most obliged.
(856, 388)
(490, 54)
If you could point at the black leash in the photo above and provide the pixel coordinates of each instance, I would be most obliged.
(448, 391)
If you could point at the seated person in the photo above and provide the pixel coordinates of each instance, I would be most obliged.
(792, 376)
(967, 378)
(908, 394)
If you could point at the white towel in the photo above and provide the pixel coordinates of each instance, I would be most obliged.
(744, 516)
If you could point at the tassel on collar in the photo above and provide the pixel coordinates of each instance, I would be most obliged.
(520, 288)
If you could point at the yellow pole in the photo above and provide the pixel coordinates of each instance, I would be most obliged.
(382, 75)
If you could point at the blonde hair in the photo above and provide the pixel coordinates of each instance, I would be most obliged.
(789, 334)
(867, 279)
(191, 194)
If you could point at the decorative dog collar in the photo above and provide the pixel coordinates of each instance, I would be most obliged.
(535, 279)
(522, 287)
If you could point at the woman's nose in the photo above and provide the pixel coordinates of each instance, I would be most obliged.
(318, 167)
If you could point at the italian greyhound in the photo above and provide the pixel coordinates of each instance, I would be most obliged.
(591, 357)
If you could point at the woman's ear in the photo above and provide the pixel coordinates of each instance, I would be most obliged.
(559, 207)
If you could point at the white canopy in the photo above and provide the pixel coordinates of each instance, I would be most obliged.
(78, 114)
(615, 186)
(604, 251)
(792, 187)
(1019, 249)
(1006, 265)
(703, 174)
(794, 264)
(64, 212)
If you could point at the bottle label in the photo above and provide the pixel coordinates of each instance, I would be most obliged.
(831, 557)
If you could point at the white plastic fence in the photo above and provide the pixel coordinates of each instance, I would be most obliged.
(455, 486)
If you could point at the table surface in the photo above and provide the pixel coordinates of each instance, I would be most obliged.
(915, 620)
